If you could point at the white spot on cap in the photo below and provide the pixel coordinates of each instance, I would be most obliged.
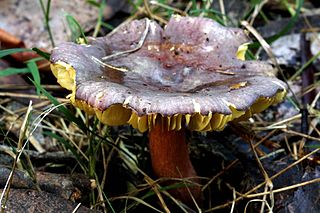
(208, 48)
(127, 101)
(186, 71)
(177, 17)
(277, 83)
(206, 28)
(100, 95)
(153, 28)
(153, 47)
(228, 103)
(196, 106)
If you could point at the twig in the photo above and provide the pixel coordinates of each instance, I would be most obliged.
(147, 8)
(223, 12)
(106, 162)
(22, 95)
(48, 156)
(256, 11)
(307, 80)
(268, 181)
(268, 50)
(76, 208)
(100, 193)
(257, 200)
(156, 191)
(6, 189)
(150, 14)
(301, 134)
(188, 7)
(168, 7)
(284, 188)
(137, 200)
(52, 128)
(140, 43)
(38, 105)
(122, 69)
(219, 174)
(23, 87)
(164, 192)
(279, 124)
(261, 184)
(206, 7)
(236, 161)
(192, 197)
(272, 153)
(314, 102)
(234, 198)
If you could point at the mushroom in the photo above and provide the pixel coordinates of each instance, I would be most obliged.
(189, 75)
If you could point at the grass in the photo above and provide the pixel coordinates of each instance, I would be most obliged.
(77, 34)
(97, 148)
(46, 13)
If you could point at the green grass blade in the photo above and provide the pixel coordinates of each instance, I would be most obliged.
(285, 30)
(6, 52)
(43, 54)
(310, 61)
(291, 23)
(33, 68)
(67, 145)
(100, 17)
(75, 28)
(13, 71)
(61, 108)
(108, 26)
(93, 3)
(46, 13)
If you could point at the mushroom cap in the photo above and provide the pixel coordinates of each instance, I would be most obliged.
(190, 73)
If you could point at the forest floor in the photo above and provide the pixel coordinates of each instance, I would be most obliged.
(56, 158)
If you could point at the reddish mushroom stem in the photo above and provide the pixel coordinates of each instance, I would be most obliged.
(170, 158)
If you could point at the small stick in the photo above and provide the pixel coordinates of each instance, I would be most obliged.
(268, 181)
(223, 12)
(168, 7)
(156, 191)
(142, 39)
(285, 188)
(261, 184)
(23, 95)
(268, 50)
(307, 80)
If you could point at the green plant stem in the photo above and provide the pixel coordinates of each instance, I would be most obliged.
(99, 21)
(46, 12)
(299, 71)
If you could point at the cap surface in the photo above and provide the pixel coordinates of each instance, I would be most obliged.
(187, 72)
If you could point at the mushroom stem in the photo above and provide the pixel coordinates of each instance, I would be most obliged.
(170, 159)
